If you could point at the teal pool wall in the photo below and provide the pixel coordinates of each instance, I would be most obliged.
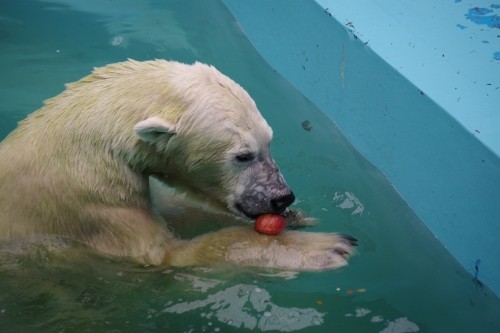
(415, 87)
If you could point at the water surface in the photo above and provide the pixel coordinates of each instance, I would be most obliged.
(402, 279)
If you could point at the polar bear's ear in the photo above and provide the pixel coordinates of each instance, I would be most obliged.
(153, 129)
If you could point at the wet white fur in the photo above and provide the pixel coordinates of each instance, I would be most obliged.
(74, 167)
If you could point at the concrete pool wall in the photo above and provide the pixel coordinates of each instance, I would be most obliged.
(415, 87)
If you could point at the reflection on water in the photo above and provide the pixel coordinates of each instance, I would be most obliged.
(249, 306)
(66, 287)
(402, 280)
(348, 200)
(133, 21)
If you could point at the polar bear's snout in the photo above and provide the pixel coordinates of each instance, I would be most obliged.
(264, 189)
(281, 203)
(252, 205)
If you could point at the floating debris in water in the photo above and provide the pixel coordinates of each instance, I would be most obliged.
(306, 124)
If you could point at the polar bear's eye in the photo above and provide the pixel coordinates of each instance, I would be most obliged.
(245, 157)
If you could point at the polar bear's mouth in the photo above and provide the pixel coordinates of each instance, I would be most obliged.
(275, 206)
(242, 211)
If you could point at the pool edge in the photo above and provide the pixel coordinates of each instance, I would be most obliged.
(324, 59)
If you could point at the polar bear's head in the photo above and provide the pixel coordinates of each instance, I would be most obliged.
(217, 144)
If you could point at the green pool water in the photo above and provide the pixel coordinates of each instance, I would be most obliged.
(401, 280)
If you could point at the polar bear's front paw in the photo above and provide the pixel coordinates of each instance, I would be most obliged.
(319, 251)
(295, 250)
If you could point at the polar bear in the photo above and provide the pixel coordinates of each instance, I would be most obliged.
(79, 169)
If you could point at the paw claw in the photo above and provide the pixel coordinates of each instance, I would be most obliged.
(342, 252)
(349, 240)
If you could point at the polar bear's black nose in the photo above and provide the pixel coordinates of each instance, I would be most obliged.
(281, 203)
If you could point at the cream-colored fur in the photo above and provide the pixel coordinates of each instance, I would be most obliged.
(79, 168)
